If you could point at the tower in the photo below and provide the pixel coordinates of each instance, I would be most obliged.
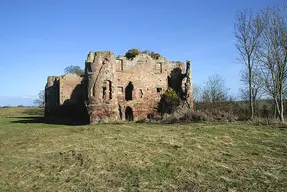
(101, 87)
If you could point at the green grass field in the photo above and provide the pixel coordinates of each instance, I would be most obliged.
(35, 156)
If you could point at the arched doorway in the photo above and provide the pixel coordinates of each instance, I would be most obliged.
(129, 114)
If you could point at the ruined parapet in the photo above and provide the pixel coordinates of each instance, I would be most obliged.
(176, 76)
(141, 61)
(101, 77)
(176, 64)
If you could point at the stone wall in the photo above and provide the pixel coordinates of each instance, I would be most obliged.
(64, 96)
(148, 77)
(71, 88)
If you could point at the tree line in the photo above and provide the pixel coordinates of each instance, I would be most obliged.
(261, 41)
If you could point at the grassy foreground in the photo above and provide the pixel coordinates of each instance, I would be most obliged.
(139, 157)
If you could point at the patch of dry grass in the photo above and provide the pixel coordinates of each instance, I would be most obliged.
(140, 157)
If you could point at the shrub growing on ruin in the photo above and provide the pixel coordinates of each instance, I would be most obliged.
(169, 101)
(132, 53)
(154, 55)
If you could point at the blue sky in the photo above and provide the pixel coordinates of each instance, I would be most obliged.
(41, 38)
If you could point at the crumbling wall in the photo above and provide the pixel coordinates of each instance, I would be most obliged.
(188, 85)
(71, 88)
(175, 78)
(52, 96)
(102, 85)
(64, 97)
(71, 98)
(150, 77)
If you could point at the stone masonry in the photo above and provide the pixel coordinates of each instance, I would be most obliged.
(116, 88)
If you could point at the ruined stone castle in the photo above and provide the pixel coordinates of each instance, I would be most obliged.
(116, 88)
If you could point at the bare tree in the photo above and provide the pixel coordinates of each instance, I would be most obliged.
(196, 92)
(248, 30)
(74, 69)
(214, 90)
(196, 95)
(273, 55)
(40, 101)
(257, 86)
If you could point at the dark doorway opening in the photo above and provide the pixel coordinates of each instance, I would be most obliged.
(120, 112)
(129, 91)
(129, 114)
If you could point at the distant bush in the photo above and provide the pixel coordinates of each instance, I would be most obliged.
(226, 111)
(6, 106)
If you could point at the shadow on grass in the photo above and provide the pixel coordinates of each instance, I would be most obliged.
(50, 120)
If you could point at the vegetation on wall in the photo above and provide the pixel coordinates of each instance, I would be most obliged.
(132, 53)
(154, 55)
(169, 101)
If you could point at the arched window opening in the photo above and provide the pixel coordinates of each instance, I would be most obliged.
(129, 91)
(107, 90)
